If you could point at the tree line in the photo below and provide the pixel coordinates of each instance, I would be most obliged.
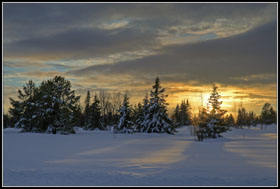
(53, 107)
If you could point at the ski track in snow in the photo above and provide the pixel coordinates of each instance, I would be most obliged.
(243, 157)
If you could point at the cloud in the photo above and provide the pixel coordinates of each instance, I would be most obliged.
(80, 44)
(217, 60)
(78, 31)
(117, 24)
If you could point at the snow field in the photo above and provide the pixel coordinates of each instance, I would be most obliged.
(243, 157)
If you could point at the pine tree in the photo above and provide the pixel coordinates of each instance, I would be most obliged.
(241, 117)
(268, 115)
(136, 115)
(216, 114)
(87, 111)
(251, 119)
(15, 111)
(203, 131)
(156, 119)
(229, 120)
(95, 117)
(79, 119)
(212, 123)
(27, 108)
(140, 124)
(188, 113)
(273, 115)
(60, 104)
(176, 116)
(125, 124)
(184, 113)
(50, 106)
(6, 120)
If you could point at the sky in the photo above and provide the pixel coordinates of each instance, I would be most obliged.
(124, 46)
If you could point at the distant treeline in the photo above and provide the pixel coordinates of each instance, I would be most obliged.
(53, 107)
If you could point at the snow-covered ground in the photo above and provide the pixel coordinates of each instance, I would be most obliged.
(243, 157)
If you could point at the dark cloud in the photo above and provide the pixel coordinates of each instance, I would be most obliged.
(218, 60)
(81, 43)
(60, 28)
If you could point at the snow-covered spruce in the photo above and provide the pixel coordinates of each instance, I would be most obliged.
(125, 124)
(211, 121)
(156, 119)
(47, 108)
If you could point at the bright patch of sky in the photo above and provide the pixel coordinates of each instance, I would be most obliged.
(208, 36)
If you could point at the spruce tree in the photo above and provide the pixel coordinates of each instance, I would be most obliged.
(15, 111)
(241, 117)
(140, 124)
(95, 116)
(203, 131)
(184, 113)
(176, 116)
(125, 124)
(268, 115)
(6, 121)
(156, 119)
(87, 111)
(273, 115)
(27, 107)
(211, 121)
(79, 119)
(216, 121)
(137, 114)
(229, 120)
(251, 119)
(49, 107)
(59, 105)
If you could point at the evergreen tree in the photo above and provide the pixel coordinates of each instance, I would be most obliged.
(125, 124)
(251, 119)
(212, 123)
(229, 120)
(184, 113)
(268, 115)
(26, 107)
(79, 119)
(51, 106)
(6, 121)
(95, 118)
(140, 124)
(176, 116)
(216, 114)
(203, 131)
(273, 115)
(241, 117)
(58, 106)
(136, 113)
(15, 111)
(87, 111)
(156, 119)
(188, 113)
